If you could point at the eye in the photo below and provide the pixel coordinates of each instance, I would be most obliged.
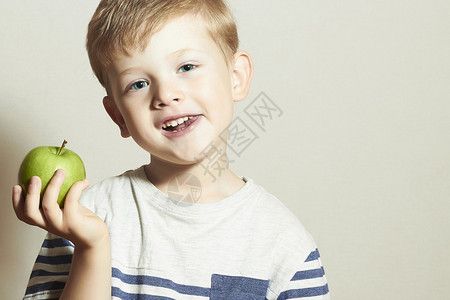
(187, 68)
(138, 85)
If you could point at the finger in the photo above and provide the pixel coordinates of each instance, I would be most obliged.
(74, 194)
(18, 201)
(31, 211)
(50, 206)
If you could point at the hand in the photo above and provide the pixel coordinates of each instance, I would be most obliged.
(74, 222)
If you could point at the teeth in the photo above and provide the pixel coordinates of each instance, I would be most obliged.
(176, 122)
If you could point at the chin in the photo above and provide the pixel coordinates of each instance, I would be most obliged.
(188, 157)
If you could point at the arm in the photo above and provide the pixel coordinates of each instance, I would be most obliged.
(90, 274)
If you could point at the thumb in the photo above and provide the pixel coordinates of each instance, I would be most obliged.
(74, 194)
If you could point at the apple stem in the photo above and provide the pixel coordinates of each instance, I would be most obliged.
(62, 146)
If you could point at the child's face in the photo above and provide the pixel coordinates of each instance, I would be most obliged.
(181, 74)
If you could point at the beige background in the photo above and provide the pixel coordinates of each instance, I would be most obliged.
(361, 153)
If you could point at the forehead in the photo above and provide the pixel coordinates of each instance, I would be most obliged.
(187, 30)
(177, 34)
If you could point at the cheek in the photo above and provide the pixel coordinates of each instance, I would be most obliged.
(214, 88)
(135, 119)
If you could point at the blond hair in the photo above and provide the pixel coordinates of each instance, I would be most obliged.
(119, 27)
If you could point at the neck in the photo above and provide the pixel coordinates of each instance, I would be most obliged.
(215, 182)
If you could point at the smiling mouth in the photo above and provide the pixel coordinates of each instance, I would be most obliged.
(179, 124)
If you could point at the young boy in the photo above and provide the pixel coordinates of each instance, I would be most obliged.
(172, 71)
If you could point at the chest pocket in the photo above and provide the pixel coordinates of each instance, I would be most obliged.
(236, 287)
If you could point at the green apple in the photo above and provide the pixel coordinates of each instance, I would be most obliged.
(43, 161)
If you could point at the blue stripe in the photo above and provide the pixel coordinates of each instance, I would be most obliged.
(309, 274)
(54, 260)
(303, 293)
(314, 255)
(56, 243)
(38, 273)
(160, 282)
(237, 287)
(116, 292)
(48, 286)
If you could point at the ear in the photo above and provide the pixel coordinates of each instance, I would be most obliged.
(115, 115)
(242, 75)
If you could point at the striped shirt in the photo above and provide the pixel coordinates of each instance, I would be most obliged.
(247, 246)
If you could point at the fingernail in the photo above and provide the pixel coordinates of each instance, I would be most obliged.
(16, 189)
(59, 173)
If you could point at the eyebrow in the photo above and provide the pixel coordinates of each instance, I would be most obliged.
(182, 51)
(126, 71)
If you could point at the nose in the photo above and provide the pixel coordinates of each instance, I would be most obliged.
(166, 93)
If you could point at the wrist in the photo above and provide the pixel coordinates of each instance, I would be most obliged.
(96, 254)
(101, 242)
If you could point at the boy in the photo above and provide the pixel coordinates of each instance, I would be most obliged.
(172, 71)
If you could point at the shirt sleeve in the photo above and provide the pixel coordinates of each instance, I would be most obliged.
(308, 282)
(297, 272)
(51, 269)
